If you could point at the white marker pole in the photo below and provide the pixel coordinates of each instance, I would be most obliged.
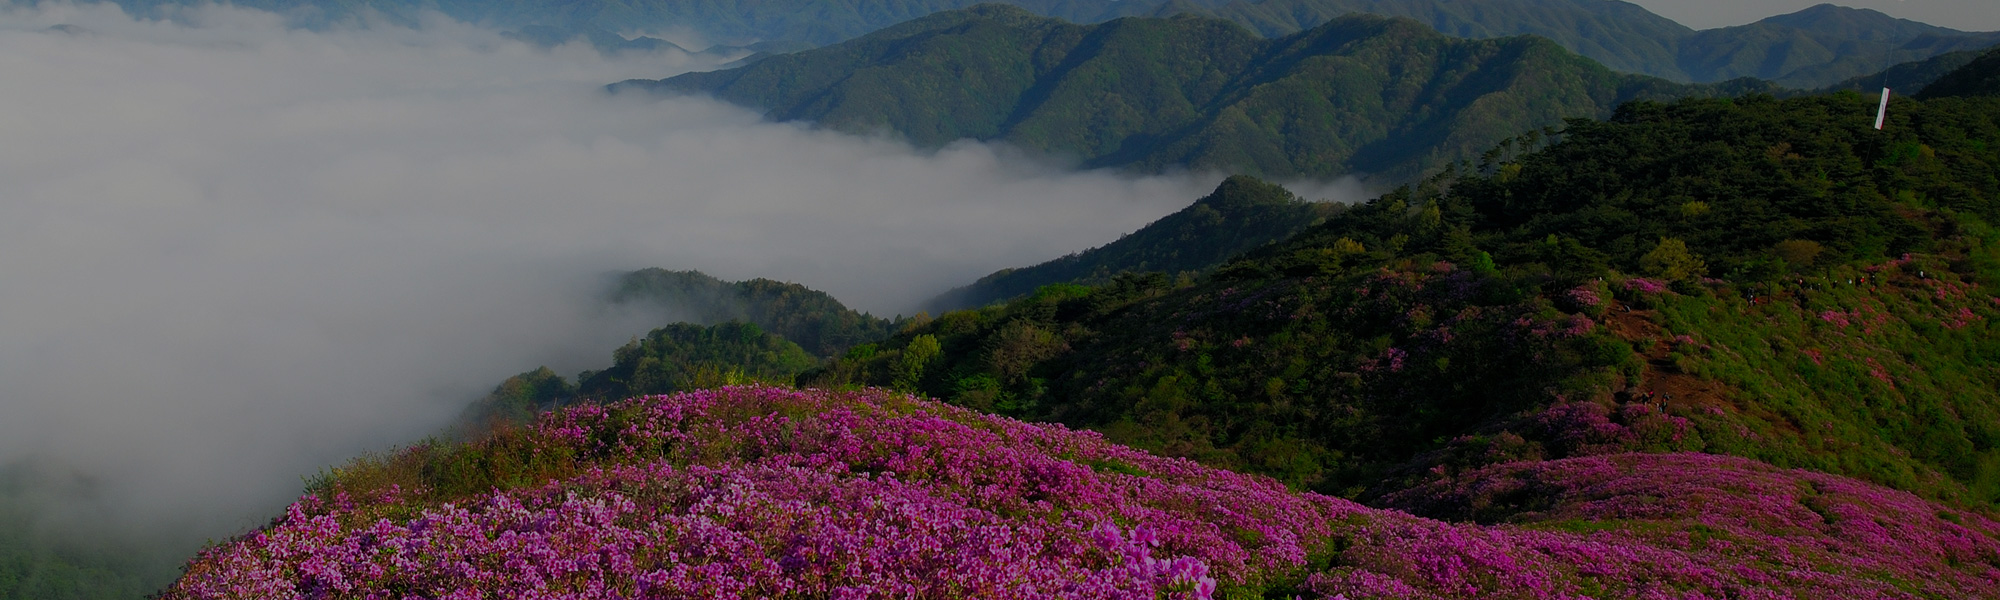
(1882, 112)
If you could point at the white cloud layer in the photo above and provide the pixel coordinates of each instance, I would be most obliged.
(231, 254)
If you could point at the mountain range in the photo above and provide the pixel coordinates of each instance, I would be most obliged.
(1813, 48)
(1360, 94)
(1807, 49)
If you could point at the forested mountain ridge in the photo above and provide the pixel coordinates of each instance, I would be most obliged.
(1807, 49)
(1621, 35)
(1910, 78)
(1810, 49)
(1818, 46)
(1980, 77)
(1241, 214)
(1361, 94)
(1766, 278)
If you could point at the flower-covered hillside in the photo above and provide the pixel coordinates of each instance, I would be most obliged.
(758, 492)
(1705, 502)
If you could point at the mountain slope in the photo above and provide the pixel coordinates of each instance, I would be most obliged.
(49, 552)
(1910, 78)
(812, 22)
(777, 493)
(1241, 214)
(1620, 35)
(1980, 77)
(1762, 278)
(1359, 94)
(1809, 49)
(1818, 46)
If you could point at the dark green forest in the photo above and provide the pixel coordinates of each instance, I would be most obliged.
(1758, 277)
(1361, 94)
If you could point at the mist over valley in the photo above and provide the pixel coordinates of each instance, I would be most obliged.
(234, 253)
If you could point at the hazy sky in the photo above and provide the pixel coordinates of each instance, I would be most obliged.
(231, 254)
(1964, 15)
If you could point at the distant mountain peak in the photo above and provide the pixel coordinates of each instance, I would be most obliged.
(1857, 23)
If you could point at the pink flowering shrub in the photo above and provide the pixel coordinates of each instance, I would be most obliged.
(758, 492)
(1645, 286)
(1728, 518)
(1587, 299)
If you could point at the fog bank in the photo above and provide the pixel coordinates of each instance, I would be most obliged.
(231, 254)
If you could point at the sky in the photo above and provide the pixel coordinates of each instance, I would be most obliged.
(1963, 15)
(233, 254)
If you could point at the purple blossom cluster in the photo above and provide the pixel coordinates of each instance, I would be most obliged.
(1584, 297)
(1584, 428)
(1645, 286)
(759, 492)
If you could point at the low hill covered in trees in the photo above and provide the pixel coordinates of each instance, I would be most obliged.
(810, 318)
(724, 332)
(1360, 94)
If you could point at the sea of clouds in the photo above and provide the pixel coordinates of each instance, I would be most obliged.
(233, 253)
